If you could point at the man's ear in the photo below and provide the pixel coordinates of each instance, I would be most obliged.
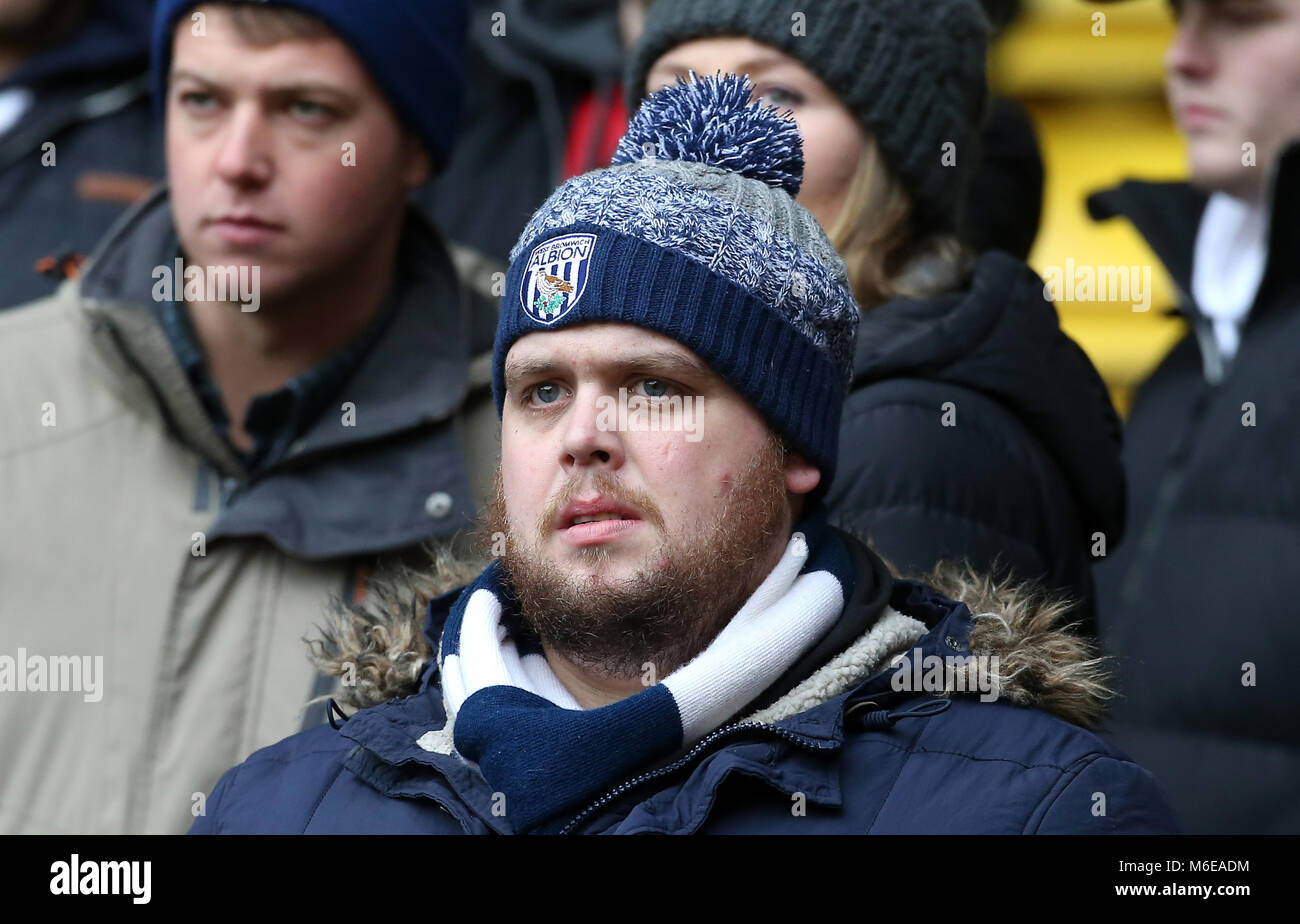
(418, 168)
(801, 476)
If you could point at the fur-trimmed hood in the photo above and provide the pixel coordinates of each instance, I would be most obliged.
(379, 647)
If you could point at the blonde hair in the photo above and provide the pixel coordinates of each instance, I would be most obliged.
(887, 254)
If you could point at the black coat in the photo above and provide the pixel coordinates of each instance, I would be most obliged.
(976, 428)
(1208, 587)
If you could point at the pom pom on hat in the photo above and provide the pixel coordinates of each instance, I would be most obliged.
(712, 120)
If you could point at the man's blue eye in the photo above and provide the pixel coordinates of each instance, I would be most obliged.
(311, 110)
(546, 394)
(655, 388)
(198, 101)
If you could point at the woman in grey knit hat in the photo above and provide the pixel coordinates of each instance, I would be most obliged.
(888, 94)
(974, 428)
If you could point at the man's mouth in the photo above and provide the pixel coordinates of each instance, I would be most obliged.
(246, 229)
(1195, 116)
(587, 522)
(594, 509)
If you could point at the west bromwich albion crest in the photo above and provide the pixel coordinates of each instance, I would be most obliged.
(555, 275)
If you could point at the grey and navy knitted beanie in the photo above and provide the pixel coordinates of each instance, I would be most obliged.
(412, 48)
(693, 232)
(912, 71)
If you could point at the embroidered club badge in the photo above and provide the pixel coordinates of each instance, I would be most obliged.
(555, 276)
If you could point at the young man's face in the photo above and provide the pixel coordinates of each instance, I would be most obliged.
(258, 142)
(1233, 76)
(702, 519)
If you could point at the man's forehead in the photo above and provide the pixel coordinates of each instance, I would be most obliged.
(323, 59)
(597, 346)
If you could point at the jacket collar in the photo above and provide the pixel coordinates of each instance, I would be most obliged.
(1168, 216)
(315, 502)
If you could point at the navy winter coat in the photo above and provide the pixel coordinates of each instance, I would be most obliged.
(873, 760)
(975, 428)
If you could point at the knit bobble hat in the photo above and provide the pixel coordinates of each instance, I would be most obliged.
(693, 232)
(911, 71)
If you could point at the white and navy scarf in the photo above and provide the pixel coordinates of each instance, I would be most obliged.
(531, 740)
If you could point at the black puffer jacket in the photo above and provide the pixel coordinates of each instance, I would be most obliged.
(1201, 606)
(976, 428)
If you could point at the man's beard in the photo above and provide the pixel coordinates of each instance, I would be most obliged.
(668, 612)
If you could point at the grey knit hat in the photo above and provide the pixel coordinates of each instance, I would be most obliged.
(912, 71)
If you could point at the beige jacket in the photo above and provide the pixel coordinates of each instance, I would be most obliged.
(129, 540)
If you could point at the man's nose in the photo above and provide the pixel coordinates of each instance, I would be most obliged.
(245, 157)
(1191, 54)
(591, 436)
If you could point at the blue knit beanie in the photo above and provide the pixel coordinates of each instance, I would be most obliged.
(412, 49)
(693, 232)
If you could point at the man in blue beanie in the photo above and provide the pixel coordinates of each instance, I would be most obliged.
(672, 638)
(258, 390)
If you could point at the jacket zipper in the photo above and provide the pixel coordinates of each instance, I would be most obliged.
(1171, 484)
(700, 746)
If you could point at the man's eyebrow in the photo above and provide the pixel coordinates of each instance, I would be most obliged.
(307, 86)
(667, 363)
(517, 369)
(181, 73)
(674, 364)
(294, 88)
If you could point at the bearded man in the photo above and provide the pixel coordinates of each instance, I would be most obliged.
(669, 621)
